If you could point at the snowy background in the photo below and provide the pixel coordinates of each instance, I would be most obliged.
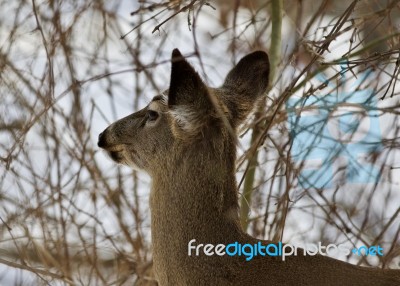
(68, 215)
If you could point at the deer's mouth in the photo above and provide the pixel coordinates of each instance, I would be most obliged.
(117, 156)
(115, 152)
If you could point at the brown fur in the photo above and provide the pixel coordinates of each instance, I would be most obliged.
(187, 143)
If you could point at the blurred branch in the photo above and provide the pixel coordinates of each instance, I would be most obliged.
(274, 56)
(36, 271)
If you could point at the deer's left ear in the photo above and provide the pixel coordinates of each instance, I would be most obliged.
(245, 83)
(188, 98)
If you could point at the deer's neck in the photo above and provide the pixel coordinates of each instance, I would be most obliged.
(195, 198)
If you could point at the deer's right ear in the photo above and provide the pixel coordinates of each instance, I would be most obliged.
(188, 97)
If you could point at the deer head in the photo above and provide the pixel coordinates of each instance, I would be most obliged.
(187, 114)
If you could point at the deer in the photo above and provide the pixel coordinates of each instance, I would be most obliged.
(186, 140)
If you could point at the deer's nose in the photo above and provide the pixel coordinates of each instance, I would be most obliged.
(102, 141)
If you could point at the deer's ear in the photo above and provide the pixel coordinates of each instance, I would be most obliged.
(188, 97)
(246, 82)
(186, 87)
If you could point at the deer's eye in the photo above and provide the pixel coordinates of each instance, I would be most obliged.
(152, 115)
